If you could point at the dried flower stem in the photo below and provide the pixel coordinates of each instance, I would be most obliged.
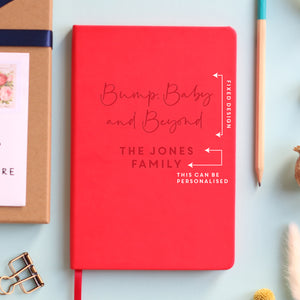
(297, 167)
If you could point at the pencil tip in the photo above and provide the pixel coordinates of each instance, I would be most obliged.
(259, 184)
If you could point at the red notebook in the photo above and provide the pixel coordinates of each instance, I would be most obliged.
(153, 148)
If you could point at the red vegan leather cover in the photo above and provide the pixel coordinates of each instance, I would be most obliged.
(153, 147)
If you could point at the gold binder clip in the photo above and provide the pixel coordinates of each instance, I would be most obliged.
(28, 269)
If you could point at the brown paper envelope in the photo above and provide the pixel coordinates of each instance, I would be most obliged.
(33, 14)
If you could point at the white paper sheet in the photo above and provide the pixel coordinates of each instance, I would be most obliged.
(14, 89)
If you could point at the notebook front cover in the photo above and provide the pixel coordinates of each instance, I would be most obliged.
(153, 148)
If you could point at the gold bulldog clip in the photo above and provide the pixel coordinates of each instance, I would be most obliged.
(25, 274)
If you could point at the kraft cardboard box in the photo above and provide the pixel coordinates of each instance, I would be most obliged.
(33, 15)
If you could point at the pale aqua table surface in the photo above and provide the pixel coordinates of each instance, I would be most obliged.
(262, 214)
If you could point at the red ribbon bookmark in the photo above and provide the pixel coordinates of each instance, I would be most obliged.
(77, 284)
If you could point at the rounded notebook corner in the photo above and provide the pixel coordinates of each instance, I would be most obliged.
(230, 263)
(232, 31)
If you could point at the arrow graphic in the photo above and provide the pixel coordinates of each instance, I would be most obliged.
(208, 150)
(216, 75)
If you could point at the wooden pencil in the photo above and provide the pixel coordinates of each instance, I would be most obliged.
(260, 90)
